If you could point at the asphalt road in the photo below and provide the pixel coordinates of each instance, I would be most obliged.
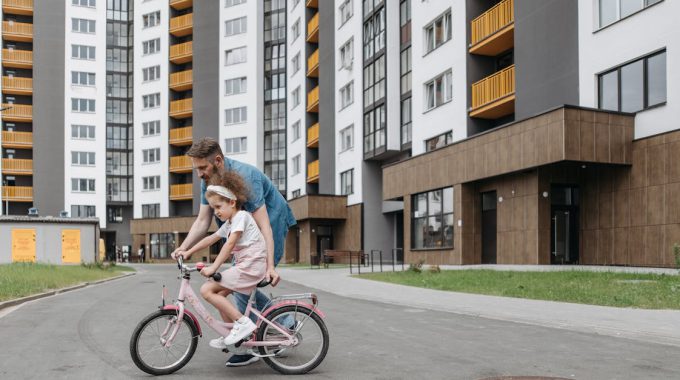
(85, 334)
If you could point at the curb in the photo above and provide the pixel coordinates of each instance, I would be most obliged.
(19, 301)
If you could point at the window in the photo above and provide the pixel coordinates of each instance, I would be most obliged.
(83, 52)
(346, 182)
(151, 156)
(296, 130)
(231, 3)
(438, 91)
(438, 32)
(235, 26)
(614, 10)
(405, 22)
(151, 128)
(236, 145)
(296, 29)
(347, 138)
(151, 46)
(296, 165)
(274, 57)
(296, 97)
(347, 95)
(80, 78)
(85, 3)
(374, 34)
(374, 82)
(432, 219)
(274, 20)
(296, 193)
(235, 115)
(406, 121)
(438, 141)
(151, 73)
(82, 158)
(81, 25)
(405, 67)
(235, 56)
(347, 54)
(82, 105)
(634, 86)
(375, 136)
(151, 210)
(82, 132)
(346, 11)
(296, 63)
(83, 211)
(114, 214)
(82, 185)
(151, 100)
(275, 117)
(151, 19)
(151, 183)
(162, 245)
(236, 86)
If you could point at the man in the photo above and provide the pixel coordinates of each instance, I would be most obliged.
(268, 207)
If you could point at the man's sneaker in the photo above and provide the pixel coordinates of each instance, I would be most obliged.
(218, 343)
(241, 330)
(241, 360)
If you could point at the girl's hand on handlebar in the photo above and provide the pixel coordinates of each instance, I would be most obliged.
(208, 271)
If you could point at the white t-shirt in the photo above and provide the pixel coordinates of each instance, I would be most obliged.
(245, 223)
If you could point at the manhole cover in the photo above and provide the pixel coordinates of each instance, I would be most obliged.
(524, 378)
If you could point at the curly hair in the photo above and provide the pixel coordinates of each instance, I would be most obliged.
(232, 181)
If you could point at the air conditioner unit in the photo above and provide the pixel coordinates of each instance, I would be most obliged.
(32, 211)
(63, 214)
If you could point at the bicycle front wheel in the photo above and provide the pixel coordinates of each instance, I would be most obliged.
(147, 344)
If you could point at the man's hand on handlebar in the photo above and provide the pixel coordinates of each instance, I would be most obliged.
(179, 252)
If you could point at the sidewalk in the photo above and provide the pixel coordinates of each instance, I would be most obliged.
(656, 326)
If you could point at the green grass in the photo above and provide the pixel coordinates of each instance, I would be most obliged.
(23, 279)
(607, 289)
(306, 266)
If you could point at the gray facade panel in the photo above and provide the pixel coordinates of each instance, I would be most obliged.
(326, 99)
(48, 115)
(378, 228)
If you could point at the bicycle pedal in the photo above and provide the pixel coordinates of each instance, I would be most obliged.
(225, 350)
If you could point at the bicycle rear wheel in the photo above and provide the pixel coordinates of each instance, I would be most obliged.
(312, 337)
(147, 343)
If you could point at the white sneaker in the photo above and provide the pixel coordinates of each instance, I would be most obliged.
(241, 330)
(218, 343)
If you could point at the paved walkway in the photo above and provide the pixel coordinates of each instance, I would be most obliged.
(657, 326)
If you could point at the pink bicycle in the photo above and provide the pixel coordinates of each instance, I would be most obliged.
(291, 337)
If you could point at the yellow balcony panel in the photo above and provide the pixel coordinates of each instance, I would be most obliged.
(181, 109)
(21, 113)
(181, 192)
(493, 32)
(181, 136)
(180, 164)
(17, 193)
(14, 166)
(313, 172)
(18, 59)
(181, 4)
(17, 140)
(17, 31)
(494, 96)
(181, 81)
(313, 100)
(313, 136)
(18, 7)
(181, 53)
(313, 29)
(313, 64)
(17, 86)
(181, 26)
(312, 3)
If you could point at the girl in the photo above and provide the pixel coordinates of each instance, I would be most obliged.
(226, 195)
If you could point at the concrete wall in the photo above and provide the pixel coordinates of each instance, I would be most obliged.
(326, 98)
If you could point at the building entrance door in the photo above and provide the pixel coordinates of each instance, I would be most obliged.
(489, 219)
(564, 241)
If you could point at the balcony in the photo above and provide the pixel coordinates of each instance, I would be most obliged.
(17, 31)
(18, 7)
(17, 86)
(313, 136)
(493, 32)
(181, 26)
(312, 3)
(313, 172)
(181, 4)
(13, 166)
(313, 29)
(494, 96)
(17, 193)
(180, 164)
(18, 59)
(181, 53)
(17, 140)
(181, 109)
(313, 64)
(181, 81)
(20, 113)
(313, 100)
(181, 136)
(181, 192)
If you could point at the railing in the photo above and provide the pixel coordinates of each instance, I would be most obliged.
(17, 165)
(312, 3)
(18, 139)
(17, 193)
(181, 106)
(180, 79)
(18, 56)
(313, 135)
(181, 22)
(367, 260)
(180, 135)
(313, 99)
(491, 21)
(23, 29)
(17, 111)
(313, 171)
(181, 191)
(313, 62)
(15, 83)
(180, 50)
(494, 87)
(180, 163)
(23, 6)
(313, 26)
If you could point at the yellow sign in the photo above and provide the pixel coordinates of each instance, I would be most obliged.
(23, 245)
(70, 246)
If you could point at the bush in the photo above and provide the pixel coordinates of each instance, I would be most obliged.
(416, 267)
(434, 269)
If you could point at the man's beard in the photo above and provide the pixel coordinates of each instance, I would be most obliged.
(214, 171)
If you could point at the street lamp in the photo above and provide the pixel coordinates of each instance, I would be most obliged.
(4, 182)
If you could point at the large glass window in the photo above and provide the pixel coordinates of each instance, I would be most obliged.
(83, 211)
(347, 182)
(151, 210)
(432, 219)
(634, 86)
(438, 141)
(162, 245)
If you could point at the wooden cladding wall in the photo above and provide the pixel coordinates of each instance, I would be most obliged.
(165, 225)
(319, 207)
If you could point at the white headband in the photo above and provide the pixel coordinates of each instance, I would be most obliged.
(221, 190)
